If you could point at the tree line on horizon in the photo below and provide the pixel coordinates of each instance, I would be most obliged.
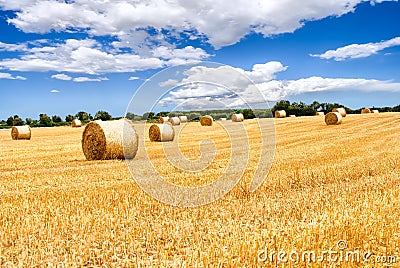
(45, 120)
(291, 108)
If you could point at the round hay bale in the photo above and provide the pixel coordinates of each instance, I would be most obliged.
(116, 139)
(333, 118)
(292, 115)
(342, 111)
(223, 118)
(163, 119)
(280, 114)
(175, 121)
(375, 111)
(161, 132)
(76, 123)
(206, 120)
(319, 113)
(237, 117)
(21, 132)
(365, 111)
(183, 118)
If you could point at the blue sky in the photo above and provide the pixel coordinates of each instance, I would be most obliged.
(61, 57)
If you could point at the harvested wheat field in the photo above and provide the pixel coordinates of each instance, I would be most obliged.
(327, 184)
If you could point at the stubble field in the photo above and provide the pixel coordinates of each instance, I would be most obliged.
(327, 184)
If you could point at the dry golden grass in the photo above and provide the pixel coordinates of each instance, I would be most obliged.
(327, 183)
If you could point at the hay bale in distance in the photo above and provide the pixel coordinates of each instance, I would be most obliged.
(375, 111)
(365, 111)
(333, 118)
(76, 123)
(237, 117)
(163, 119)
(206, 120)
(116, 139)
(175, 121)
(292, 115)
(21, 132)
(342, 111)
(223, 118)
(319, 113)
(183, 118)
(161, 132)
(280, 114)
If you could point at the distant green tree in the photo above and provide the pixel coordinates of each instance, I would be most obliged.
(83, 116)
(248, 114)
(29, 121)
(10, 121)
(281, 105)
(162, 114)
(130, 116)
(45, 120)
(102, 115)
(18, 121)
(148, 115)
(56, 119)
(193, 116)
(69, 118)
(133, 117)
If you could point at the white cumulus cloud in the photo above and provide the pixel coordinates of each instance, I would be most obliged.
(354, 51)
(62, 77)
(88, 79)
(222, 85)
(220, 23)
(89, 57)
(11, 77)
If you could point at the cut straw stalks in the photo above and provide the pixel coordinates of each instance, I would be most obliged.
(206, 120)
(237, 118)
(21, 132)
(103, 140)
(161, 132)
(342, 111)
(333, 118)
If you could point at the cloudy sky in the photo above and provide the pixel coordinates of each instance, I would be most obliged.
(60, 57)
